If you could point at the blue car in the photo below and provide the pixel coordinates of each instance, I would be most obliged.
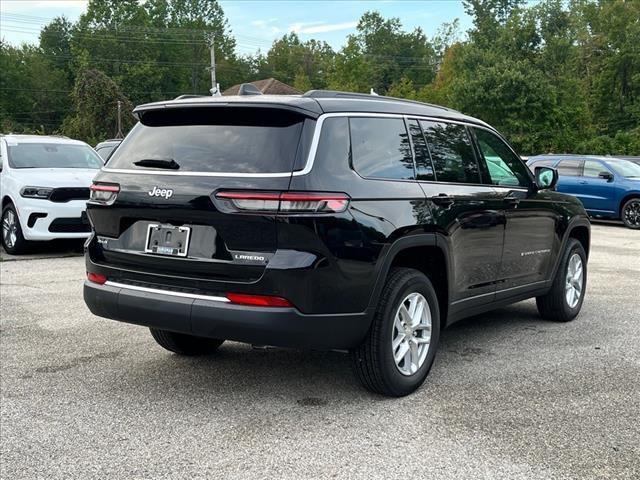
(608, 187)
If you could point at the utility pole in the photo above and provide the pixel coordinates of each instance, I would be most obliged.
(119, 134)
(215, 88)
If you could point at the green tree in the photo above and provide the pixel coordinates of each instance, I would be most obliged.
(33, 94)
(156, 49)
(187, 24)
(95, 98)
(552, 75)
(381, 53)
(288, 57)
(301, 81)
(55, 44)
(610, 44)
(403, 88)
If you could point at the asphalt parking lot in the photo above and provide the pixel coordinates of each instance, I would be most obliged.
(510, 396)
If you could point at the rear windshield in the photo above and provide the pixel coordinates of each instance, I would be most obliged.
(52, 155)
(212, 140)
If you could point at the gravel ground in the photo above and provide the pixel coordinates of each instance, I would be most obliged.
(510, 396)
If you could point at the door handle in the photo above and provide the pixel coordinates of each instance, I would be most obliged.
(511, 201)
(442, 200)
(582, 182)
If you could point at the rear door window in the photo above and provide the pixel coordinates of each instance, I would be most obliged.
(451, 152)
(220, 140)
(424, 167)
(380, 148)
(571, 168)
(594, 169)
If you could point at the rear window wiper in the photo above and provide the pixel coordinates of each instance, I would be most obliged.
(168, 163)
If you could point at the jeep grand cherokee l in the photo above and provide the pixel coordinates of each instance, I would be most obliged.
(328, 221)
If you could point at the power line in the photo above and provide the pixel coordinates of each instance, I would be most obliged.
(29, 20)
(100, 36)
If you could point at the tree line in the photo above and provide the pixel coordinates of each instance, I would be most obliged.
(555, 76)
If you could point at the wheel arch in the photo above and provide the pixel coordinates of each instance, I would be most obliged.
(582, 233)
(580, 229)
(625, 199)
(6, 200)
(424, 253)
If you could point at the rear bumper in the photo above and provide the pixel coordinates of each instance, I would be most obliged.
(213, 317)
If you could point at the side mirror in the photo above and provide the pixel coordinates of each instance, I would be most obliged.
(606, 175)
(546, 178)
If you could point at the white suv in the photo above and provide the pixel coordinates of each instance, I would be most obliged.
(44, 186)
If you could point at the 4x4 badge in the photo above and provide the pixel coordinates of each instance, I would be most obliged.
(161, 192)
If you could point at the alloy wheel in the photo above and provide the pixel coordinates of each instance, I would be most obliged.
(9, 228)
(574, 280)
(631, 214)
(411, 334)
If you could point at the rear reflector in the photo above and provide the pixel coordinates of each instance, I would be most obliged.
(284, 202)
(258, 300)
(96, 278)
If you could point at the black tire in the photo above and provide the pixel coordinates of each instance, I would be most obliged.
(373, 360)
(20, 245)
(554, 305)
(183, 344)
(630, 213)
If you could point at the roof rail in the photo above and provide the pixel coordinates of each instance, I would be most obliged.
(375, 97)
(249, 89)
(189, 95)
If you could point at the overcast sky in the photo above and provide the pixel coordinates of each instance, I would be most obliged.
(255, 24)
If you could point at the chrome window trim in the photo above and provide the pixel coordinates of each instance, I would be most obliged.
(195, 174)
(312, 150)
(167, 292)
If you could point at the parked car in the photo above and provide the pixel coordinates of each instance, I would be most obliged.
(608, 187)
(329, 221)
(107, 147)
(44, 186)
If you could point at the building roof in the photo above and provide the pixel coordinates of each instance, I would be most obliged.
(268, 86)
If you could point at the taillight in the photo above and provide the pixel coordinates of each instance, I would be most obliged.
(250, 201)
(258, 300)
(283, 202)
(104, 194)
(96, 278)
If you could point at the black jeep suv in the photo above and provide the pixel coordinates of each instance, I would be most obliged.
(329, 221)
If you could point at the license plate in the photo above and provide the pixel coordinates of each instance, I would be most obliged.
(168, 240)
